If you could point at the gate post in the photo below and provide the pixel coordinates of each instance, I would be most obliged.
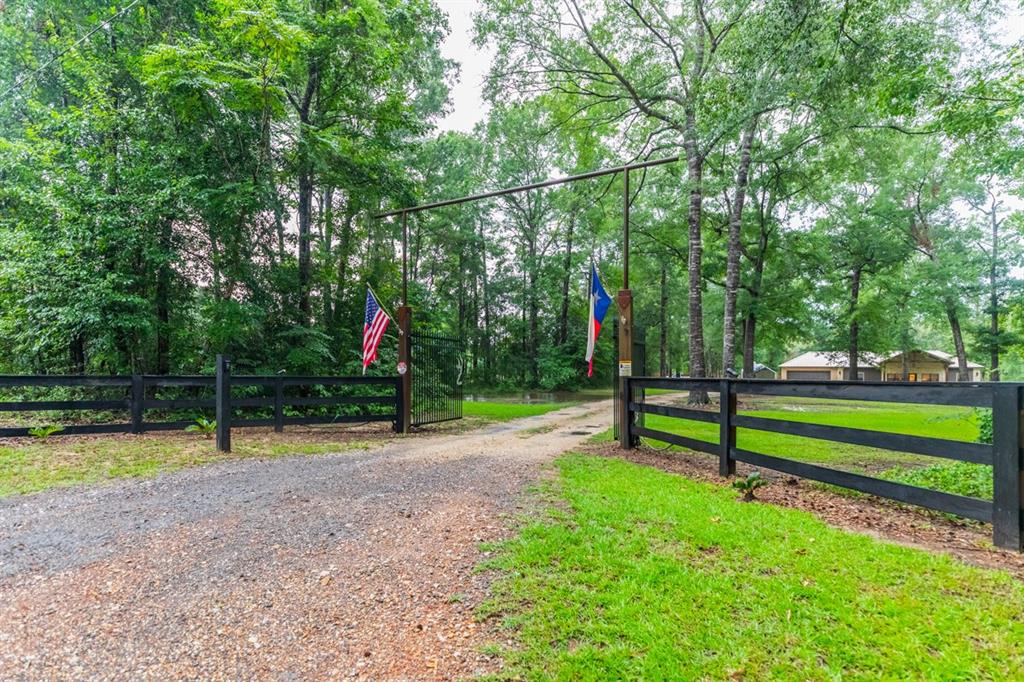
(138, 398)
(223, 401)
(279, 404)
(404, 314)
(1007, 468)
(726, 428)
(625, 300)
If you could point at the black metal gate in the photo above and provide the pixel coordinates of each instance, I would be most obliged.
(438, 365)
(639, 369)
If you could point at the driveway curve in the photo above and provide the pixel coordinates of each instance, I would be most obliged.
(358, 564)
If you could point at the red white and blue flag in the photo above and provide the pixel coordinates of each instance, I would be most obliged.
(375, 323)
(599, 302)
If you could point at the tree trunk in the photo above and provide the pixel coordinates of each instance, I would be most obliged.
(563, 320)
(994, 299)
(694, 171)
(534, 347)
(305, 203)
(854, 352)
(77, 352)
(750, 321)
(732, 270)
(328, 246)
(163, 304)
(749, 336)
(663, 322)
(958, 342)
(488, 358)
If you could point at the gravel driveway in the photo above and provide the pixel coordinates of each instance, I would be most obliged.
(356, 564)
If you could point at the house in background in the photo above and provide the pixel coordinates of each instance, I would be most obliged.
(928, 365)
(923, 365)
(763, 371)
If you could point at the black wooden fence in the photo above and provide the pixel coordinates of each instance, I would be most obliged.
(1005, 511)
(377, 401)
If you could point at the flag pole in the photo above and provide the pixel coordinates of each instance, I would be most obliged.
(380, 303)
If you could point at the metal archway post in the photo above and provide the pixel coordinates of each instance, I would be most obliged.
(625, 304)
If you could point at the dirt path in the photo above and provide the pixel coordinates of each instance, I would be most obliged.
(357, 564)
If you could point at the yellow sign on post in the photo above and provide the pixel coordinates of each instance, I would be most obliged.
(625, 368)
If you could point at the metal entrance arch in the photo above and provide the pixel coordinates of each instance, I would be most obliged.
(624, 297)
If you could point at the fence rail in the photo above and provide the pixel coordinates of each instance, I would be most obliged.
(1005, 511)
(381, 406)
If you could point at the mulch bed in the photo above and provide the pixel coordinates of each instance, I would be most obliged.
(968, 541)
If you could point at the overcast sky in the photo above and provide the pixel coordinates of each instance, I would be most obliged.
(468, 106)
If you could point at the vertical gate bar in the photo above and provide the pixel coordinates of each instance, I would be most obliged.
(223, 402)
(398, 426)
(1007, 468)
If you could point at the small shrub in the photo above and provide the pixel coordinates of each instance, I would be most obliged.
(44, 432)
(207, 427)
(984, 418)
(959, 478)
(748, 485)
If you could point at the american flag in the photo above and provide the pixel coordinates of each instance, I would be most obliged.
(374, 325)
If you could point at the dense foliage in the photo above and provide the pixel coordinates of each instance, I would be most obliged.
(200, 177)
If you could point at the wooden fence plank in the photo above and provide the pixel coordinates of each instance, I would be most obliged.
(63, 380)
(929, 393)
(968, 507)
(676, 439)
(71, 429)
(678, 412)
(980, 453)
(41, 405)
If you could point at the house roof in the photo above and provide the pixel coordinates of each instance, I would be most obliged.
(835, 359)
(758, 367)
(941, 356)
(828, 359)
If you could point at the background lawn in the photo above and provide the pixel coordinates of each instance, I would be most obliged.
(503, 411)
(640, 574)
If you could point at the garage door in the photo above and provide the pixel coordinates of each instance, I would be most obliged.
(809, 375)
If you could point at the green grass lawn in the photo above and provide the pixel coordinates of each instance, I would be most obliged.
(640, 574)
(953, 423)
(501, 411)
(61, 462)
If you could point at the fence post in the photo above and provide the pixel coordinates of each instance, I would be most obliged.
(625, 301)
(223, 401)
(138, 396)
(726, 428)
(279, 404)
(626, 418)
(1007, 466)
(405, 368)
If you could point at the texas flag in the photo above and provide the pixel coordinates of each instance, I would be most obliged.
(599, 302)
